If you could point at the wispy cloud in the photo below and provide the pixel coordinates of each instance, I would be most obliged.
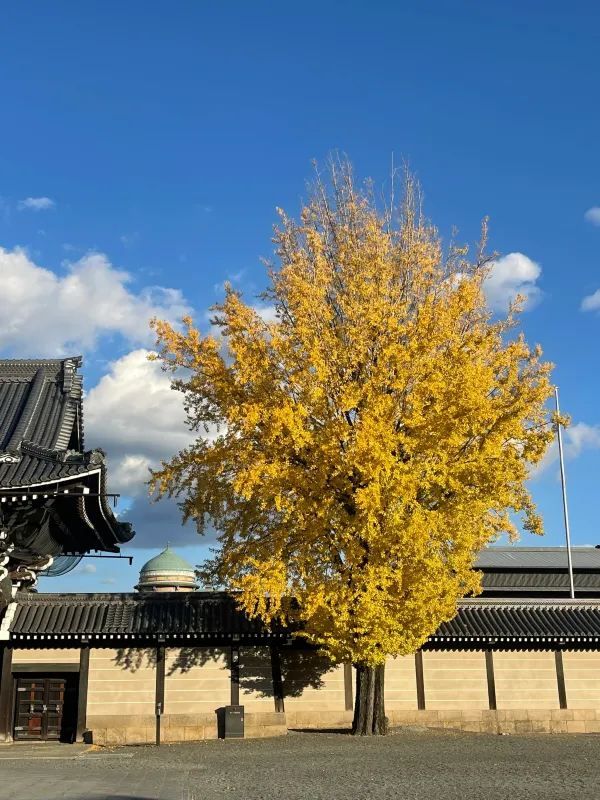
(4, 209)
(36, 204)
(577, 438)
(129, 239)
(591, 302)
(233, 278)
(593, 215)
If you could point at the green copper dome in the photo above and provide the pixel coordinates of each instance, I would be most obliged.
(167, 561)
(167, 572)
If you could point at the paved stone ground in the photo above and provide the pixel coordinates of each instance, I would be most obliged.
(410, 764)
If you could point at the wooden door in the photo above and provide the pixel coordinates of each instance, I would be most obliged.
(55, 701)
(39, 708)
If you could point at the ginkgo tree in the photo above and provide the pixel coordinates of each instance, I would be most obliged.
(368, 436)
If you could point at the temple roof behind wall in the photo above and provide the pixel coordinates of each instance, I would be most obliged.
(538, 571)
(537, 558)
(548, 583)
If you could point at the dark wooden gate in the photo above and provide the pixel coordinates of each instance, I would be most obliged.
(40, 707)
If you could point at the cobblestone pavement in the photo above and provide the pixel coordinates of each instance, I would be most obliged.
(407, 765)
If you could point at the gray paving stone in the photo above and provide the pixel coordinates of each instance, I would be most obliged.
(407, 765)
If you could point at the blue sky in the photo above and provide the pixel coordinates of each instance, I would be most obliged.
(163, 136)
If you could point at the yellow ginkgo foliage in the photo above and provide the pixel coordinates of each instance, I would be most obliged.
(360, 442)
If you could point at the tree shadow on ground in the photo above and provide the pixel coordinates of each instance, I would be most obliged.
(104, 796)
(341, 731)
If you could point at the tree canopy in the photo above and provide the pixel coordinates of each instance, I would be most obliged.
(361, 442)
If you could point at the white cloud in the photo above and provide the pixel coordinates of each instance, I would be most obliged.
(130, 473)
(36, 204)
(268, 314)
(509, 276)
(135, 416)
(591, 302)
(88, 569)
(581, 437)
(576, 439)
(109, 581)
(46, 314)
(133, 413)
(593, 215)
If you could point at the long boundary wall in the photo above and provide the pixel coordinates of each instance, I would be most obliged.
(504, 691)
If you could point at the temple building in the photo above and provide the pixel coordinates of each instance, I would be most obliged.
(162, 660)
(53, 497)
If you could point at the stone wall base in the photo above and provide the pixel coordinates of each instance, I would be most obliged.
(478, 721)
(117, 730)
(504, 721)
(318, 720)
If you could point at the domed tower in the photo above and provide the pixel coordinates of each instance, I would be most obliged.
(167, 572)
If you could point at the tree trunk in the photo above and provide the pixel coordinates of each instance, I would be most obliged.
(369, 709)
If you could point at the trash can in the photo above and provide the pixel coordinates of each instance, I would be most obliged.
(233, 722)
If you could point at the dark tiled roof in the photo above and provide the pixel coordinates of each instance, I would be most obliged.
(515, 557)
(42, 450)
(41, 429)
(213, 614)
(514, 620)
(36, 469)
(177, 614)
(526, 582)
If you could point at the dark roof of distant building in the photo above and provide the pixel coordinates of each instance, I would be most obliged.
(527, 582)
(585, 558)
(538, 571)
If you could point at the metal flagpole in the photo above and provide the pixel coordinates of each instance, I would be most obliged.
(564, 497)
